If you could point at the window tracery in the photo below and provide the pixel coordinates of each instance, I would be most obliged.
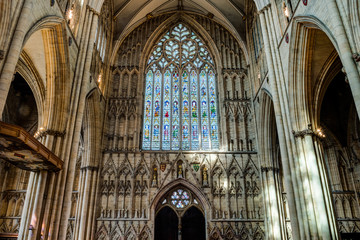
(180, 198)
(180, 94)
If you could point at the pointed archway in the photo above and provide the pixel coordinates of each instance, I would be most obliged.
(166, 224)
(193, 224)
(179, 215)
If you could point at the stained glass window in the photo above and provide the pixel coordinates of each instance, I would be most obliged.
(180, 198)
(180, 108)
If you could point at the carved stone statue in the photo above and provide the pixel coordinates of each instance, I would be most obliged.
(180, 171)
(205, 176)
(154, 180)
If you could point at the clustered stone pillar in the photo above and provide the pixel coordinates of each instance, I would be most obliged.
(275, 222)
(309, 197)
(14, 53)
(344, 49)
(82, 76)
(5, 17)
(85, 215)
(318, 208)
(39, 199)
(286, 148)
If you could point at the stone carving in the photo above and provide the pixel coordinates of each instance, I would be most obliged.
(154, 181)
(125, 193)
(205, 176)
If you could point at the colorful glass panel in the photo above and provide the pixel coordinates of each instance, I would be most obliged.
(180, 198)
(213, 111)
(194, 111)
(157, 111)
(176, 112)
(180, 109)
(167, 111)
(204, 111)
(175, 195)
(180, 204)
(185, 111)
(148, 110)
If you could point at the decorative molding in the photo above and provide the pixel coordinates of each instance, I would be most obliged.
(90, 168)
(304, 132)
(118, 150)
(238, 71)
(52, 133)
(309, 131)
(149, 16)
(92, 10)
(356, 57)
(270, 169)
(266, 7)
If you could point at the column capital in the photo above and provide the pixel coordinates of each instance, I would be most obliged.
(42, 133)
(270, 169)
(309, 131)
(266, 7)
(90, 168)
(303, 133)
(92, 10)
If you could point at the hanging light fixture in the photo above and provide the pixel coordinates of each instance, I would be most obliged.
(70, 14)
(286, 12)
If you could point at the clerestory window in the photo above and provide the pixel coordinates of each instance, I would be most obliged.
(180, 105)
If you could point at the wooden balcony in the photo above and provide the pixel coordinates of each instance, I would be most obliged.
(21, 149)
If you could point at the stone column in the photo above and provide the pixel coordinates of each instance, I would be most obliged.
(354, 7)
(316, 190)
(38, 199)
(345, 54)
(282, 128)
(275, 221)
(5, 9)
(82, 77)
(13, 55)
(30, 227)
(86, 207)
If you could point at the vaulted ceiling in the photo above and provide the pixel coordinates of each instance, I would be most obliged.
(231, 13)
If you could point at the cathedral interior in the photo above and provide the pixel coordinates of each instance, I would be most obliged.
(179, 119)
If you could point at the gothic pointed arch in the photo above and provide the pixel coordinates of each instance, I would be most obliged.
(57, 80)
(180, 94)
(181, 183)
(313, 83)
(137, 59)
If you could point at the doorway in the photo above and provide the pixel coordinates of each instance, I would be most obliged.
(179, 217)
(193, 224)
(166, 224)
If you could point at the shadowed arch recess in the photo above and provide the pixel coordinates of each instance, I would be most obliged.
(179, 215)
(193, 224)
(166, 224)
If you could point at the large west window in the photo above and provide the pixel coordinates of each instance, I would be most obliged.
(180, 108)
